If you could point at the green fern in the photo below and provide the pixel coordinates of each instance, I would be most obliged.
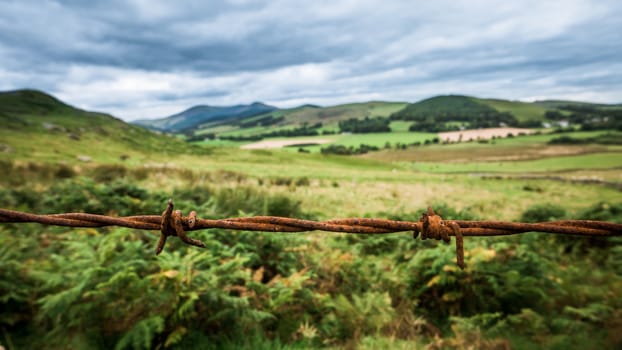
(142, 335)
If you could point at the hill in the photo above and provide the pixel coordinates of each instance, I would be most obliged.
(35, 125)
(195, 116)
(453, 111)
(450, 105)
(328, 117)
(446, 113)
(523, 111)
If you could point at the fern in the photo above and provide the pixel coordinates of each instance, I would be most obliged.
(142, 335)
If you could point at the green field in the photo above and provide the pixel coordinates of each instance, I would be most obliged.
(547, 165)
(100, 288)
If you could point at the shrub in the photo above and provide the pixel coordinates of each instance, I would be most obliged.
(603, 211)
(282, 181)
(108, 172)
(543, 212)
(64, 172)
(249, 200)
(303, 181)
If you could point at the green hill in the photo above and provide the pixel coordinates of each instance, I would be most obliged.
(329, 117)
(464, 107)
(35, 125)
(334, 114)
(452, 106)
(523, 111)
(444, 113)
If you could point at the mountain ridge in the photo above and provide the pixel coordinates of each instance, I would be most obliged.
(194, 116)
(206, 118)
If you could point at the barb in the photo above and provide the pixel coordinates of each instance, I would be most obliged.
(430, 226)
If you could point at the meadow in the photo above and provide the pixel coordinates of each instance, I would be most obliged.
(104, 288)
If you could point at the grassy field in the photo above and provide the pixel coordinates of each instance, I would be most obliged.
(399, 179)
(506, 149)
(339, 182)
(399, 126)
(547, 165)
(372, 139)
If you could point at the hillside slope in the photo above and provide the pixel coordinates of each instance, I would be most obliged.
(35, 125)
(329, 117)
(195, 116)
(523, 111)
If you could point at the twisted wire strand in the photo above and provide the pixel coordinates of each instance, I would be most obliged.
(430, 225)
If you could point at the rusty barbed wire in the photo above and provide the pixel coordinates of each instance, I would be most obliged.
(430, 226)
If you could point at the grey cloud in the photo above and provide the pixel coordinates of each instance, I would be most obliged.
(231, 48)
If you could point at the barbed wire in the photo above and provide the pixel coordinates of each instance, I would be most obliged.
(430, 226)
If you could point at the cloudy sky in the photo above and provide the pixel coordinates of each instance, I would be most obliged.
(145, 58)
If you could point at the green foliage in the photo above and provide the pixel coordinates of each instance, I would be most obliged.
(303, 181)
(603, 139)
(603, 211)
(543, 212)
(304, 130)
(118, 197)
(141, 336)
(366, 125)
(108, 172)
(64, 172)
(15, 286)
(594, 117)
(104, 288)
(348, 150)
(261, 121)
(248, 200)
(367, 313)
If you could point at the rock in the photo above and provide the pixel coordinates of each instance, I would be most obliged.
(5, 148)
(52, 127)
(74, 136)
(84, 158)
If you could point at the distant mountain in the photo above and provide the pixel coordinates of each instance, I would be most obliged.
(193, 117)
(297, 117)
(315, 114)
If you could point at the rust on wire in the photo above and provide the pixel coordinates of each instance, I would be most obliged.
(430, 226)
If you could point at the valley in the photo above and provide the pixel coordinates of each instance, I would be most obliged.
(347, 290)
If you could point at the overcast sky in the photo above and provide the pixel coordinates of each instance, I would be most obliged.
(145, 58)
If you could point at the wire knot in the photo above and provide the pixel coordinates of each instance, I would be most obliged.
(171, 225)
(433, 226)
